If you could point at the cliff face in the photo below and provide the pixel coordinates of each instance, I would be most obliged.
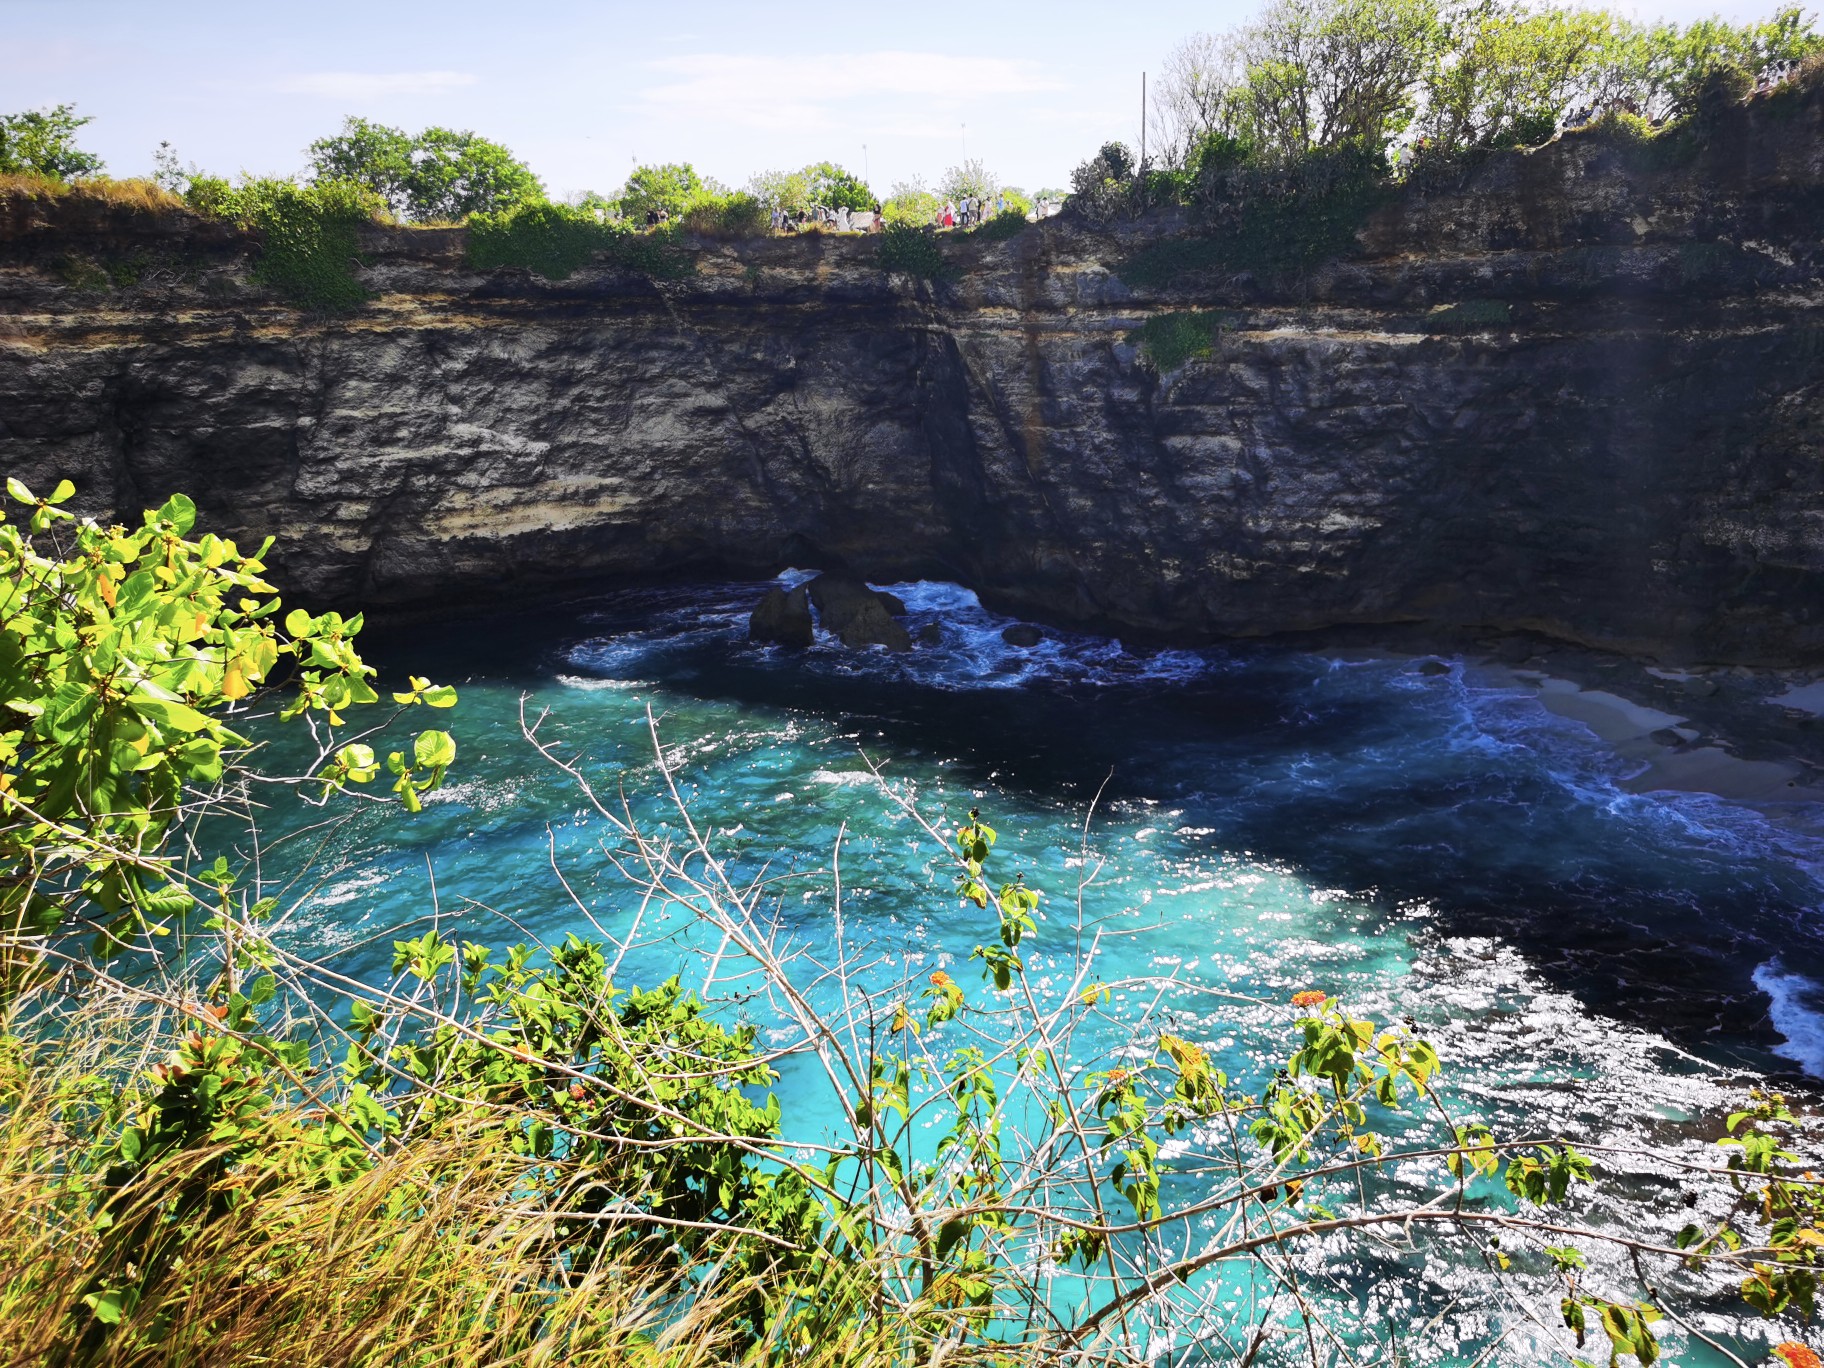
(1617, 436)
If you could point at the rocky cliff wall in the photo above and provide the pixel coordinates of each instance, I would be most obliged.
(1616, 437)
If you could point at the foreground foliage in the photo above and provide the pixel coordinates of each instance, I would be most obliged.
(505, 1154)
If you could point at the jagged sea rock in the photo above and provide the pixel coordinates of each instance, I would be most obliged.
(782, 617)
(857, 615)
(1022, 634)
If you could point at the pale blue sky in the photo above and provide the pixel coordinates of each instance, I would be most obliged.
(579, 88)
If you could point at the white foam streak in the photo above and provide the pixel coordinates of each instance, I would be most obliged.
(1794, 1009)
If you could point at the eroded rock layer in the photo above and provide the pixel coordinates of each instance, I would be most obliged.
(1575, 391)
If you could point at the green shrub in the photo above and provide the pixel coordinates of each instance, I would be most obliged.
(1621, 128)
(1278, 222)
(554, 241)
(308, 234)
(81, 273)
(1169, 340)
(912, 250)
(737, 215)
(1002, 226)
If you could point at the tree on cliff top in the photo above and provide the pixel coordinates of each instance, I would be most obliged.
(669, 188)
(441, 174)
(42, 142)
(818, 185)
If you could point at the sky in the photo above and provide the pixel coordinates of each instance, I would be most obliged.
(583, 89)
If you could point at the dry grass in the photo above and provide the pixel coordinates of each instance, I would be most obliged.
(430, 1257)
(132, 193)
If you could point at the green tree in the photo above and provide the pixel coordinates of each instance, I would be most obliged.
(369, 154)
(1506, 72)
(42, 142)
(832, 187)
(1321, 74)
(787, 190)
(441, 174)
(911, 204)
(670, 188)
(457, 174)
(1664, 71)
(970, 180)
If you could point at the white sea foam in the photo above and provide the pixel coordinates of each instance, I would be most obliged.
(589, 682)
(1795, 1011)
(844, 778)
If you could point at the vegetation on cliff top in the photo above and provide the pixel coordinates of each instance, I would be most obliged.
(213, 1146)
(1283, 134)
(1280, 136)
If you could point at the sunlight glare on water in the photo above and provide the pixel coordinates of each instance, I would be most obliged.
(1265, 820)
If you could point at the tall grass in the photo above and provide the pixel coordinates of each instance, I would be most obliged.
(430, 1256)
(132, 193)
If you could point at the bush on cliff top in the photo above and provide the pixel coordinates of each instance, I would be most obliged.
(309, 234)
(911, 250)
(1278, 223)
(555, 241)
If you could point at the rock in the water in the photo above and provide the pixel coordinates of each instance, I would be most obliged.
(929, 635)
(1665, 736)
(1022, 634)
(1699, 687)
(856, 614)
(781, 617)
(893, 602)
(1433, 667)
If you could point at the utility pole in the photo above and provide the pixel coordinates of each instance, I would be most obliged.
(864, 163)
(1143, 121)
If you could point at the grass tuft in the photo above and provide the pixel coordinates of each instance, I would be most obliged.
(144, 196)
(1169, 340)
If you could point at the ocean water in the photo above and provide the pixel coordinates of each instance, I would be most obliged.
(1223, 827)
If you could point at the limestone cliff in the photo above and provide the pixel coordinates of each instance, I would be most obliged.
(1616, 435)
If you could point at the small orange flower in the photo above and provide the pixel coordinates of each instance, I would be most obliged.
(1796, 1355)
(1309, 998)
(941, 980)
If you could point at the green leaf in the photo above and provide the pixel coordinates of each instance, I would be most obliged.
(63, 491)
(169, 901)
(19, 492)
(179, 511)
(434, 750)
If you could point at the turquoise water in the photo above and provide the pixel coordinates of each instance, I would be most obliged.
(1264, 820)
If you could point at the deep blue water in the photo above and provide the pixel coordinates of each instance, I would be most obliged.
(1265, 819)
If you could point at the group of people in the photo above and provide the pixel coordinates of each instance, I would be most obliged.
(970, 211)
(840, 220)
